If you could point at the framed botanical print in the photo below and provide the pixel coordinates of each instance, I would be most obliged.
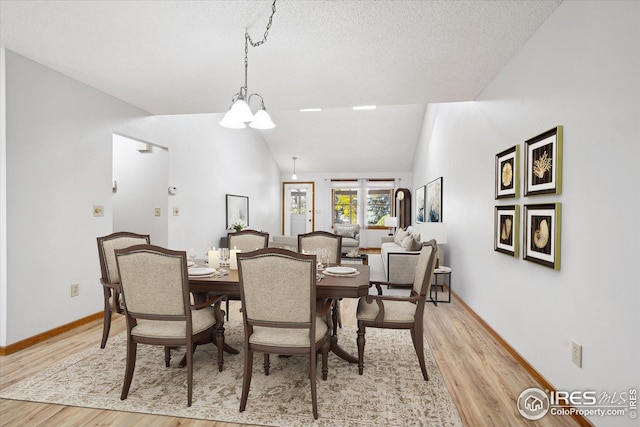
(420, 215)
(543, 163)
(506, 229)
(434, 201)
(237, 210)
(508, 173)
(542, 234)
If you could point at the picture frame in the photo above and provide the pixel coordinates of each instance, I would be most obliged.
(237, 210)
(420, 206)
(542, 227)
(543, 163)
(434, 201)
(506, 230)
(508, 173)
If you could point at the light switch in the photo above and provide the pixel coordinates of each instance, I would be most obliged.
(176, 211)
(98, 210)
(157, 211)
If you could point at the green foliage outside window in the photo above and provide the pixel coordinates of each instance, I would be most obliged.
(345, 206)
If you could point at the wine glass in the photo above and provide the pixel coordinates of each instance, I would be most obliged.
(192, 253)
(224, 257)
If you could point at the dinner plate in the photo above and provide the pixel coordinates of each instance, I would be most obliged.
(340, 270)
(203, 271)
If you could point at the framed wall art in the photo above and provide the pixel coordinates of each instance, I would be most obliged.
(542, 234)
(543, 163)
(420, 215)
(506, 229)
(508, 173)
(237, 210)
(434, 201)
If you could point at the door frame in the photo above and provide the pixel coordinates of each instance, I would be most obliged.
(285, 215)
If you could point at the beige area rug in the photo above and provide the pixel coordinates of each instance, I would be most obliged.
(390, 393)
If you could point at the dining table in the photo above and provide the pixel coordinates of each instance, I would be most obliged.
(328, 287)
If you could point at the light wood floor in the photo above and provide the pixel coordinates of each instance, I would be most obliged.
(482, 377)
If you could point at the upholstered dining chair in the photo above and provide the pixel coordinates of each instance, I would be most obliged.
(274, 324)
(157, 305)
(110, 279)
(394, 312)
(311, 242)
(246, 241)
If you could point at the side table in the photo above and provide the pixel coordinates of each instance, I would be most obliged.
(440, 273)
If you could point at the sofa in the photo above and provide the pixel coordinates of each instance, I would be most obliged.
(400, 255)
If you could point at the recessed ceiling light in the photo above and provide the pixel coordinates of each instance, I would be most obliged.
(309, 110)
(364, 107)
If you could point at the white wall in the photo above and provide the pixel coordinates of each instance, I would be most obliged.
(323, 215)
(142, 186)
(59, 164)
(581, 70)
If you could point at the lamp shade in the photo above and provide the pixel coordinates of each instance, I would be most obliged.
(240, 111)
(391, 221)
(434, 230)
(262, 120)
(228, 122)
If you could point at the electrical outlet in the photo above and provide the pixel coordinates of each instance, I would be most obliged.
(75, 289)
(576, 354)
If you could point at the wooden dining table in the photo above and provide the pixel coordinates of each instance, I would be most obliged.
(328, 288)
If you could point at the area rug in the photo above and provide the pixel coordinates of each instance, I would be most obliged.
(391, 391)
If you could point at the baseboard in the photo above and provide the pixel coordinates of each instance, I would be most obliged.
(582, 421)
(21, 345)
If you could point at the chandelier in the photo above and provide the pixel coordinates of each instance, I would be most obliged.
(240, 113)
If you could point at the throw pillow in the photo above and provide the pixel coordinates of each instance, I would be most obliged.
(346, 231)
(407, 243)
(400, 236)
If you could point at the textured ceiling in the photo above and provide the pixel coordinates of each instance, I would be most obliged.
(177, 57)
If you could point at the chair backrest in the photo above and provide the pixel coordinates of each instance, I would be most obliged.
(247, 240)
(311, 242)
(278, 288)
(425, 267)
(108, 244)
(155, 282)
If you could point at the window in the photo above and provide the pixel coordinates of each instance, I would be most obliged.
(298, 201)
(345, 202)
(379, 202)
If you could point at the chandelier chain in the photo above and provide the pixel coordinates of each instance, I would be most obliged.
(248, 39)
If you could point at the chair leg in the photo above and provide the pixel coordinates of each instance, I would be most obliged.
(167, 356)
(132, 348)
(227, 309)
(312, 369)
(106, 325)
(246, 380)
(361, 341)
(418, 343)
(190, 374)
(267, 365)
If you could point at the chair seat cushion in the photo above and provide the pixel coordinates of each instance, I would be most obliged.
(394, 311)
(287, 337)
(202, 320)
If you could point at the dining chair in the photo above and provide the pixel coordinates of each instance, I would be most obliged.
(277, 325)
(397, 312)
(110, 279)
(311, 242)
(157, 305)
(246, 241)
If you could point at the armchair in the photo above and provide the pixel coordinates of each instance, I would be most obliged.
(390, 312)
(110, 279)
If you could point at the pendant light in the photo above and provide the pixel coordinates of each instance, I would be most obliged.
(240, 113)
(294, 176)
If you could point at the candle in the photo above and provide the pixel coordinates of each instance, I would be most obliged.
(214, 258)
(233, 260)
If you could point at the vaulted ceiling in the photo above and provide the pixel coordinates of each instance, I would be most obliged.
(179, 57)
